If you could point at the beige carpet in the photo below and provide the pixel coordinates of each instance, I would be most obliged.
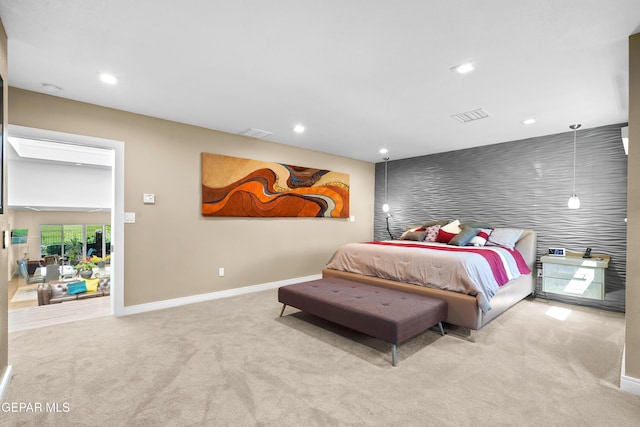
(26, 293)
(233, 362)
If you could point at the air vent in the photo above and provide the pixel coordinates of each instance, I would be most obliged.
(255, 133)
(471, 116)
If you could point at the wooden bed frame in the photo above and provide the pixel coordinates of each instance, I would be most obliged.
(463, 309)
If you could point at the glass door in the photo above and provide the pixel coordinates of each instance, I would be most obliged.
(50, 240)
(74, 247)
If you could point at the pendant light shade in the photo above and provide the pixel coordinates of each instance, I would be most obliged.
(574, 201)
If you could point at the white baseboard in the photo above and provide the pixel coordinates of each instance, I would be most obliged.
(4, 384)
(628, 384)
(159, 305)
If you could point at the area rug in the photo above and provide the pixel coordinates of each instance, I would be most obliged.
(26, 293)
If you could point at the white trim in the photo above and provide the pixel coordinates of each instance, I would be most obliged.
(628, 384)
(117, 208)
(159, 305)
(4, 385)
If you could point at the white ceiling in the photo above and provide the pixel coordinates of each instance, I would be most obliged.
(359, 74)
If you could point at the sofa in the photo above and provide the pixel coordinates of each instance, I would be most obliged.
(57, 292)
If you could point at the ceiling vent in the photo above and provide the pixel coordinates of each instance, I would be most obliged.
(471, 116)
(255, 133)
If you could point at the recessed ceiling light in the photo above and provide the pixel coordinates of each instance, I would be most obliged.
(464, 68)
(529, 121)
(298, 128)
(108, 79)
(383, 151)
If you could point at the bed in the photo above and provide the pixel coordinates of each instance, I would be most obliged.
(469, 307)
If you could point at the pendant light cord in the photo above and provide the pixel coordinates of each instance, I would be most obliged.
(386, 160)
(575, 131)
(575, 136)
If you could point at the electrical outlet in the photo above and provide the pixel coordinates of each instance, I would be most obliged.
(221, 271)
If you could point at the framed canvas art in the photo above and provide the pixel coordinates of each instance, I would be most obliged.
(237, 187)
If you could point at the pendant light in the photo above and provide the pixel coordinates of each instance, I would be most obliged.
(385, 206)
(574, 202)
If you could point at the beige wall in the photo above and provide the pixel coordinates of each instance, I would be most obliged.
(172, 251)
(4, 221)
(632, 339)
(33, 220)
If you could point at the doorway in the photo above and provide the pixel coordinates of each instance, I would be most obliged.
(113, 305)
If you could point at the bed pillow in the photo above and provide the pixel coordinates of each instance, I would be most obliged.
(481, 238)
(410, 229)
(448, 232)
(464, 237)
(507, 237)
(432, 233)
(418, 236)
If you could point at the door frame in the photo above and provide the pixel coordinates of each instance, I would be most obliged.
(117, 205)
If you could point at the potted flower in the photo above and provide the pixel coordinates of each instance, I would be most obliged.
(100, 262)
(85, 268)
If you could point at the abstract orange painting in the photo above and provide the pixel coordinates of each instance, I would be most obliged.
(236, 187)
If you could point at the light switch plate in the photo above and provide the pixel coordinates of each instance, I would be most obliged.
(130, 217)
(149, 198)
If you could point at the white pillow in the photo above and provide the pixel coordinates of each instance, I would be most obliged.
(507, 237)
(452, 227)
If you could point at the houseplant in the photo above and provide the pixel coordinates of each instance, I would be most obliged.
(100, 262)
(85, 268)
(73, 250)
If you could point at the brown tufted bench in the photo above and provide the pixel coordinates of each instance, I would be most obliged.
(388, 314)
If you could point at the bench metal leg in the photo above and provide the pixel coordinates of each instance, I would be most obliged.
(282, 311)
(441, 328)
(395, 355)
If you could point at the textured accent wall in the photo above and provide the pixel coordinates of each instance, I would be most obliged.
(524, 184)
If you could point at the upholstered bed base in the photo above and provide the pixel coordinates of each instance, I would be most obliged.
(463, 309)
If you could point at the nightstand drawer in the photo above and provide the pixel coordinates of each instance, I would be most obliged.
(575, 276)
(572, 272)
(577, 287)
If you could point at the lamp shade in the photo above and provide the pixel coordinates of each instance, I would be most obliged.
(574, 202)
(385, 207)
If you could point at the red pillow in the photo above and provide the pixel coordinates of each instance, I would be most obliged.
(444, 236)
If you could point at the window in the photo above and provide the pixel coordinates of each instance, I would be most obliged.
(75, 242)
(50, 240)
